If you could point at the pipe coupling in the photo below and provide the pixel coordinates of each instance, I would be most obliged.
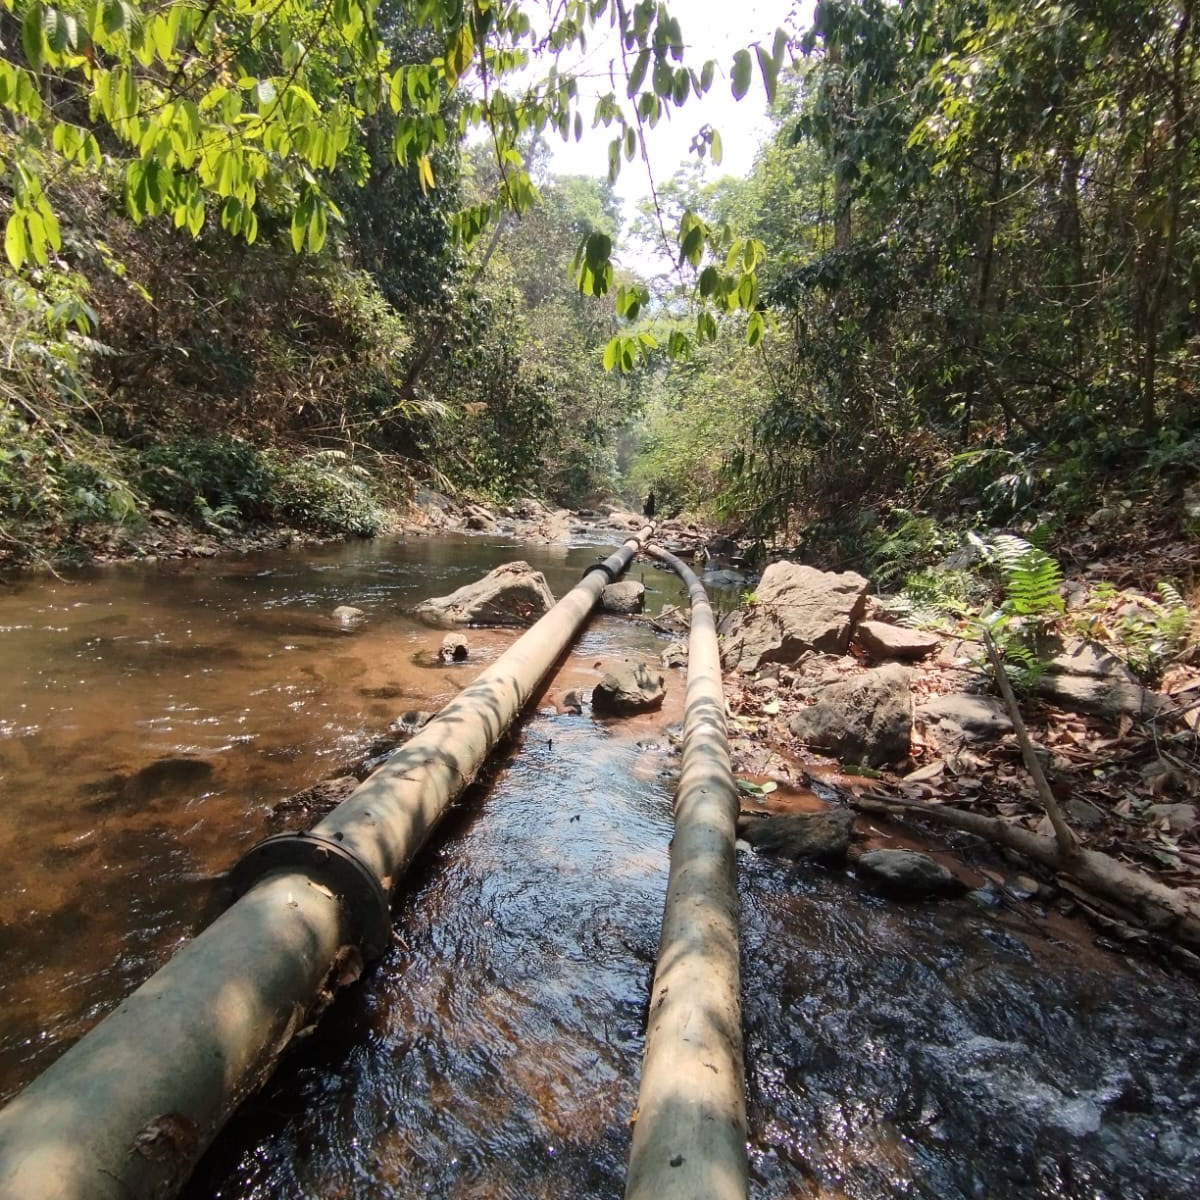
(332, 864)
(609, 573)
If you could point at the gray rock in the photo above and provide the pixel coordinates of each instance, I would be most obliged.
(881, 640)
(978, 718)
(907, 875)
(409, 722)
(798, 609)
(478, 518)
(1087, 678)
(625, 597)
(865, 719)
(513, 594)
(820, 836)
(454, 648)
(723, 547)
(1180, 818)
(347, 614)
(629, 688)
(572, 701)
(675, 655)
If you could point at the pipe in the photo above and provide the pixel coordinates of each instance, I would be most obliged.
(128, 1110)
(689, 1138)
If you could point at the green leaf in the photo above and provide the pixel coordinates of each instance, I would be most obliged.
(33, 38)
(610, 353)
(638, 74)
(754, 329)
(716, 148)
(15, 244)
(741, 74)
(769, 70)
(114, 16)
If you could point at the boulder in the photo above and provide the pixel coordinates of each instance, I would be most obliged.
(866, 719)
(798, 609)
(973, 718)
(572, 701)
(629, 688)
(907, 875)
(347, 614)
(819, 836)
(454, 648)
(513, 594)
(881, 640)
(1087, 678)
(723, 547)
(530, 509)
(625, 597)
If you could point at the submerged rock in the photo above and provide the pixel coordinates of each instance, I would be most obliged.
(797, 609)
(347, 614)
(907, 875)
(625, 597)
(513, 594)
(410, 721)
(629, 688)
(866, 719)
(819, 836)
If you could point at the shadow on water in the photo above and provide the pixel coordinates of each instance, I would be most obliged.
(926, 1051)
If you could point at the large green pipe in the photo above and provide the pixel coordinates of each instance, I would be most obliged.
(127, 1111)
(689, 1139)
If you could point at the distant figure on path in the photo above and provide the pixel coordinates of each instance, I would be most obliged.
(648, 507)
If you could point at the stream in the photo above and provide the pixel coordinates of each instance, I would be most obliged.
(153, 716)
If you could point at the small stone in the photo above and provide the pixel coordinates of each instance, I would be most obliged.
(907, 875)
(454, 648)
(347, 614)
(410, 721)
(981, 718)
(1180, 818)
(572, 701)
(820, 836)
(675, 655)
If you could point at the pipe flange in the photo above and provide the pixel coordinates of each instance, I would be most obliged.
(332, 864)
(601, 566)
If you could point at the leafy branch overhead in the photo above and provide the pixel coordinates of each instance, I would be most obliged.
(245, 111)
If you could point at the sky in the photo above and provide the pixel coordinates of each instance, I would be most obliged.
(711, 29)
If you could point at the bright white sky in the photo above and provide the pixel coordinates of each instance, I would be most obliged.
(711, 29)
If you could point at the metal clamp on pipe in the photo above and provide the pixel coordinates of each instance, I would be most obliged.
(335, 866)
(604, 569)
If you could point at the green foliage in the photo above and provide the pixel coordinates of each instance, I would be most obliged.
(324, 491)
(914, 540)
(202, 477)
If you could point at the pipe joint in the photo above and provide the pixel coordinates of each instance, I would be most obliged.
(333, 865)
(604, 569)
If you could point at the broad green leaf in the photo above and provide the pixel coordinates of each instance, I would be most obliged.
(638, 73)
(741, 74)
(610, 354)
(769, 70)
(716, 148)
(33, 38)
(15, 245)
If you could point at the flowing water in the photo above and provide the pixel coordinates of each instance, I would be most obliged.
(151, 719)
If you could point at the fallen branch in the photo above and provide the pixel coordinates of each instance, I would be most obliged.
(1164, 910)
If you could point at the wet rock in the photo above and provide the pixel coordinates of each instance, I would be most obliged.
(1180, 818)
(675, 655)
(513, 594)
(479, 519)
(819, 836)
(454, 648)
(866, 719)
(572, 701)
(409, 722)
(907, 875)
(304, 808)
(798, 609)
(977, 718)
(529, 509)
(1086, 678)
(625, 597)
(629, 688)
(723, 547)
(347, 614)
(881, 640)
(724, 578)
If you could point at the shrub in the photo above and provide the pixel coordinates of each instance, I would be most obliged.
(325, 492)
(207, 478)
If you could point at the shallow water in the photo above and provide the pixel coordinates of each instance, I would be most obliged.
(152, 718)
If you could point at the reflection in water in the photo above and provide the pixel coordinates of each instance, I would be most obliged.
(153, 719)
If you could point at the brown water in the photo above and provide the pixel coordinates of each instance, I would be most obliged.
(151, 719)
